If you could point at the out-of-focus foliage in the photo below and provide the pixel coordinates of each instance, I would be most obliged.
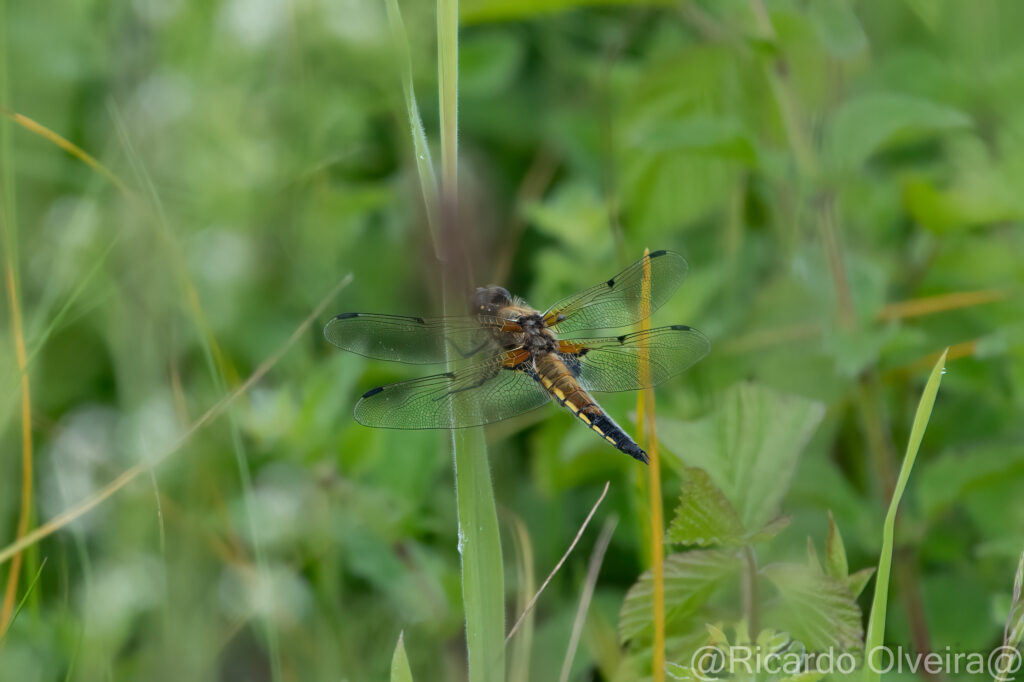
(842, 177)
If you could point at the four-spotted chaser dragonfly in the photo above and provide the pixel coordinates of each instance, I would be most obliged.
(515, 362)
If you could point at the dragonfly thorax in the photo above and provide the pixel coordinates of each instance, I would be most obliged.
(537, 338)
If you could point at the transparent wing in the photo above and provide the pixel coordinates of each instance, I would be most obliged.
(618, 302)
(613, 364)
(472, 396)
(416, 340)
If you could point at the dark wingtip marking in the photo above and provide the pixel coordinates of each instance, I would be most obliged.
(345, 316)
(655, 254)
(611, 282)
(622, 339)
(681, 327)
(420, 320)
(450, 375)
(373, 391)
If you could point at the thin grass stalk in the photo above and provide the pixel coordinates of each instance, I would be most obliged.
(148, 461)
(593, 570)
(25, 511)
(223, 376)
(529, 606)
(68, 146)
(8, 217)
(879, 605)
(519, 663)
(649, 438)
(21, 604)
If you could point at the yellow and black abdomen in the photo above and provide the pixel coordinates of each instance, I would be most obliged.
(558, 381)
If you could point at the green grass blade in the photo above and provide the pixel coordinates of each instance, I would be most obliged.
(483, 581)
(876, 622)
(400, 670)
(424, 160)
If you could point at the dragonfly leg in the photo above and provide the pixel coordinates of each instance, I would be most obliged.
(484, 378)
(470, 353)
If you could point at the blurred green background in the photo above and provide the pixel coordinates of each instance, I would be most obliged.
(843, 177)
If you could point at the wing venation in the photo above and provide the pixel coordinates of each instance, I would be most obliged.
(620, 301)
(614, 363)
(415, 340)
(471, 396)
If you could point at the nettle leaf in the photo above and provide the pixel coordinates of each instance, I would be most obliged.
(858, 580)
(812, 556)
(871, 122)
(704, 515)
(835, 553)
(748, 446)
(816, 609)
(770, 530)
(689, 579)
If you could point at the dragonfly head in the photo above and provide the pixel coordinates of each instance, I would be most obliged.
(489, 300)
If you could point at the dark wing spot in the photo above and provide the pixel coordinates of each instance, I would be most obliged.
(582, 352)
(681, 327)
(622, 339)
(420, 320)
(450, 375)
(611, 282)
(373, 391)
(345, 316)
(655, 254)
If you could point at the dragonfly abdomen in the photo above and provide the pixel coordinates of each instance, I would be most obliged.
(559, 382)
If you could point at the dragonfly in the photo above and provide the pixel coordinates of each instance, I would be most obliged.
(511, 358)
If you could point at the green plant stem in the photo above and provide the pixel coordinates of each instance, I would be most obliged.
(751, 594)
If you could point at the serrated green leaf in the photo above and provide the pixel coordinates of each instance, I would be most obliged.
(749, 446)
(871, 122)
(812, 556)
(835, 552)
(857, 580)
(704, 516)
(400, 671)
(816, 609)
(689, 579)
(769, 530)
